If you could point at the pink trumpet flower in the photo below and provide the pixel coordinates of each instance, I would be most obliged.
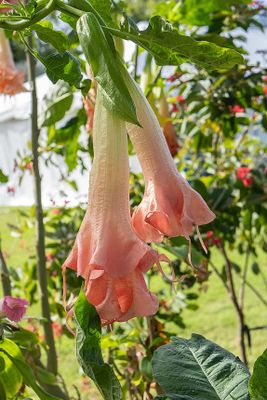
(11, 80)
(13, 308)
(170, 206)
(107, 253)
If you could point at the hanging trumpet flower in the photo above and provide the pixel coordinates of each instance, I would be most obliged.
(170, 206)
(11, 80)
(107, 253)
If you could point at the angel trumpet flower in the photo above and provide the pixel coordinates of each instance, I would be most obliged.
(170, 206)
(107, 253)
(11, 80)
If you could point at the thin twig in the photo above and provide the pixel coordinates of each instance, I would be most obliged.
(243, 279)
(233, 296)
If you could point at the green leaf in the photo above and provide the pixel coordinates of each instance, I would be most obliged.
(102, 59)
(201, 12)
(10, 377)
(45, 377)
(57, 103)
(47, 34)
(24, 370)
(169, 47)
(103, 8)
(199, 369)
(3, 177)
(88, 337)
(62, 66)
(258, 381)
(2, 391)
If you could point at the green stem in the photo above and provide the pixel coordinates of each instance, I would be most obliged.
(25, 23)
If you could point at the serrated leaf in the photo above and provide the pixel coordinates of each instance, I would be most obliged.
(102, 60)
(258, 380)
(88, 337)
(47, 34)
(169, 47)
(62, 66)
(57, 103)
(199, 369)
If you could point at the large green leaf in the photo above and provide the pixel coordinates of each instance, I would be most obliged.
(10, 378)
(102, 59)
(258, 381)
(57, 102)
(88, 337)
(47, 34)
(198, 369)
(169, 47)
(7, 348)
(62, 66)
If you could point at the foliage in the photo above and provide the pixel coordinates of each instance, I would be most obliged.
(198, 368)
(216, 107)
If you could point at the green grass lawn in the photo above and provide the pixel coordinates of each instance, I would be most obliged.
(215, 317)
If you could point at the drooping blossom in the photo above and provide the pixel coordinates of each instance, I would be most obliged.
(107, 253)
(264, 78)
(170, 206)
(167, 126)
(243, 174)
(13, 308)
(11, 80)
(235, 109)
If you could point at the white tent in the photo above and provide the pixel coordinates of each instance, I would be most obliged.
(15, 136)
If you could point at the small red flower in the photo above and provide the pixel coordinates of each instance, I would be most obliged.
(209, 234)
(57, 329)
(264, 78)
(217, 241)
(180, 99)
(49, 256)
(265, 89)
(174, 108)
(236, 109)
(11, 189)
(29, 166)
(56, 211)
(243, 174)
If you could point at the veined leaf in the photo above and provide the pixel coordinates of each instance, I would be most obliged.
(62, 66)
(10, 378)
(102, 60)
(47, 34)
(199, 369)
(169, 47)
(24, 370)
(258, 381)
(88, 336)
(57, 102)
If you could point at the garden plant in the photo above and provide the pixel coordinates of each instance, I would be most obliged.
(116, 279)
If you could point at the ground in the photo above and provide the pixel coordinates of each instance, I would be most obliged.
(215, 317)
